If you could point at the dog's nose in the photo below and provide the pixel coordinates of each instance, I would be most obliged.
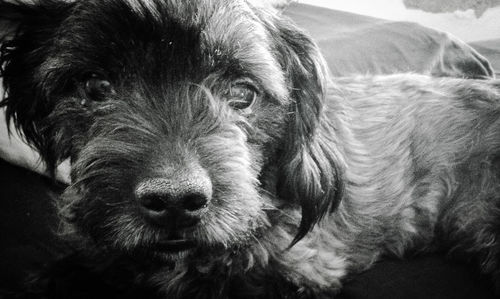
(158, 202)
(180, 199)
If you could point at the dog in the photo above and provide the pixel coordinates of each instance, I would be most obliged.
(212, 154)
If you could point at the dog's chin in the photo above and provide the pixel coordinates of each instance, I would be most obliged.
(182, 252)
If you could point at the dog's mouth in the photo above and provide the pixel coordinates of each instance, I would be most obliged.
(174, 246)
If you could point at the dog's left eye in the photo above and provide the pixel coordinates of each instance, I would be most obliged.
(241, 96)
(97, 88)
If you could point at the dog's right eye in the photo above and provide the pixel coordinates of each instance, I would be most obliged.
(97, 88)
(241, 96)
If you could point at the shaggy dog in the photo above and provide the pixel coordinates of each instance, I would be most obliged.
(213, 158)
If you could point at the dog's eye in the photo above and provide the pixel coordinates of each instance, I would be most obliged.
(241, 96)
(97, 88)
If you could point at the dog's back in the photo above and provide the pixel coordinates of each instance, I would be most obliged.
(422, 165)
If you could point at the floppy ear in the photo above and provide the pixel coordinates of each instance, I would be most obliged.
(26, 31)
(312, 165)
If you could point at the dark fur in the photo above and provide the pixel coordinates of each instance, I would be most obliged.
(314, 181)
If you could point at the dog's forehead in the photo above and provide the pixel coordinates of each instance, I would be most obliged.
(215, 32)
(238, 30)
(228, 27)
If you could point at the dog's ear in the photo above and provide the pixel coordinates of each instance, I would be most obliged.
(311, 166)
(26, 31)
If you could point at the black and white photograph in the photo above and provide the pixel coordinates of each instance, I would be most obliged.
(240, 149)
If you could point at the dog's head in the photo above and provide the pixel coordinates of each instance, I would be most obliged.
(187, 122)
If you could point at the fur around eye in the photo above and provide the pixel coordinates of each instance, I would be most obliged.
(96, 88)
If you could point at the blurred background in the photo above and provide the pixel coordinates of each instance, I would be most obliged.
(470, 20)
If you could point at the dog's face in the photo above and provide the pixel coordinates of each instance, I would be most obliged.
(187, 122)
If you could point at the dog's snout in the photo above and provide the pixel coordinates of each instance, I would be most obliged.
(164, 199)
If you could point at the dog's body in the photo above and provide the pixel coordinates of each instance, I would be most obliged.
(206, 139)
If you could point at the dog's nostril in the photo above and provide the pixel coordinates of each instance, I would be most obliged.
(193, 202)
(153, 203)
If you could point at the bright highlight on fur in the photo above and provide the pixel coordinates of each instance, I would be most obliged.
(278, 190)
